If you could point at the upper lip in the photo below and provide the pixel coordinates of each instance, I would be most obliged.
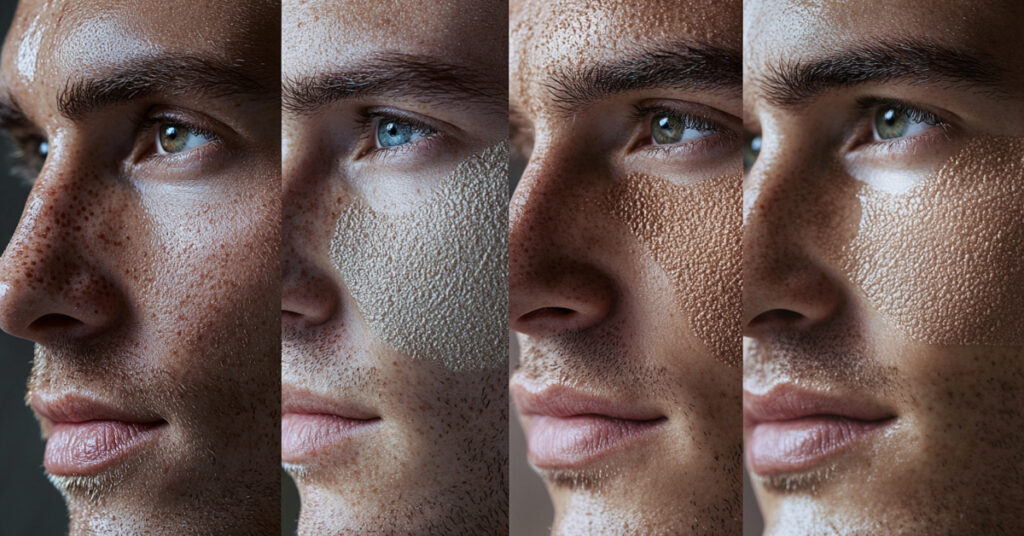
(297, 400)
(76, 407)
(562, 401)
(787, 403)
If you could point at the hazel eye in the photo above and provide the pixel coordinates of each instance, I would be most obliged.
(175, 138)
(670, 129)
(894, 122)
(393, 132)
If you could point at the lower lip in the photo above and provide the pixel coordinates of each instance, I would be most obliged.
(87, 448)
(801, 444)
(303, 435)
(568, 442)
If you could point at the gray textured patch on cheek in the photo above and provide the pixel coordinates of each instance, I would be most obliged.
(433, 282)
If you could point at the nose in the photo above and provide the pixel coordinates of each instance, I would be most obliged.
(310, 290)
(558, 277)
(790, 281)
(54, 285)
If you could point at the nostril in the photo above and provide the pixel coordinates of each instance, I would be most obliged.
(54, 322)
(777, 316)
(548, 313)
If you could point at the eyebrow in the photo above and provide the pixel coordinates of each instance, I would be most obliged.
(788, 84)
(168, 75)
(678, 66)
(396, 75)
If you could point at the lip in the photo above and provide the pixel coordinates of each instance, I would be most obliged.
(85, 435)
(791, 430)
(567, 428)
(312, 423)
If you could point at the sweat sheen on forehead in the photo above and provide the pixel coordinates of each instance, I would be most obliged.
(433, 282)
(943, 260)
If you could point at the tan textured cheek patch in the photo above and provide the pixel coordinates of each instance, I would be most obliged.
(945, 261)
(433, 282)
(694, 233)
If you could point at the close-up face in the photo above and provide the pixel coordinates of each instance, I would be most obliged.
(394, 325)
(883, 288)
(624, 261)
(145, 264)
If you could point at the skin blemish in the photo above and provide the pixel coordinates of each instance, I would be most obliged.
(432, 282)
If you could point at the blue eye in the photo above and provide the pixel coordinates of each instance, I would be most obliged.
(175, 138)
(392, 132)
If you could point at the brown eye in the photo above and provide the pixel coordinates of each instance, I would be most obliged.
(175, 138)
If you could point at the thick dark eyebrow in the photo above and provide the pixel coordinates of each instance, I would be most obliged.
(789, 84)
(423, 78)
(166, 75)
(679, 66)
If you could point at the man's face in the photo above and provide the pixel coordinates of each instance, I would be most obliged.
(884, 293)
(395, 266)
(624, 261)
(146, 260)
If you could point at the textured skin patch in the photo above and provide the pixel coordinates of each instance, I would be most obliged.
(943, 261)
(433, 282)
(695, 234)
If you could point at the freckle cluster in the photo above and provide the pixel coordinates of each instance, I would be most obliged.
(943, 261)
(433, 282)
(694, 233)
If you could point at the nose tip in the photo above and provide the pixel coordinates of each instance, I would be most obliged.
(308, 298)
(563, 301)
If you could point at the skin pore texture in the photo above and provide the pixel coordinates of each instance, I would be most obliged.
(405, 271)
(624, 261)
(149, 280)
(886, 273)
(395, 262)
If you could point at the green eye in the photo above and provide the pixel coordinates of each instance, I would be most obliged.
(894, 122)
(751, 149)
(393, 132)
(175, 138)
(670, 129)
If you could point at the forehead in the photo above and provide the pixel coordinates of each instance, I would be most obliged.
(804, 29)
(51, 39)
(322, 32)
(553, 36)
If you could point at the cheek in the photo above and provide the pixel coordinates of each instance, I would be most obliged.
(943, 261)
(694, 234)
(433, 282)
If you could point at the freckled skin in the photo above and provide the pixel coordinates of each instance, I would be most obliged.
(645, 254)
(154, 284)
(361, 321)
(909, 296)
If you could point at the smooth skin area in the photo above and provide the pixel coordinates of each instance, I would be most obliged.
(380, 119)
(145, 265)
(882, 260)
(624, 274)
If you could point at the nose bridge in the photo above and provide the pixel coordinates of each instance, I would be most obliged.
(55, 267)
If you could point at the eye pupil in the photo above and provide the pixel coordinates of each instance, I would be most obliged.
(173, 138)
(394, 133)
(889, 116)
(667, 130)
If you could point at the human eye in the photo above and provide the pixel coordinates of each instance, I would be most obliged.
(386, 132)
(894, 120)
(751, 149)
(670, 127)
(31, 152)
(173, 137)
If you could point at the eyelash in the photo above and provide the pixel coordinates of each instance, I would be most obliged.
(644, 115)
(367, 123)
(868, 107)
